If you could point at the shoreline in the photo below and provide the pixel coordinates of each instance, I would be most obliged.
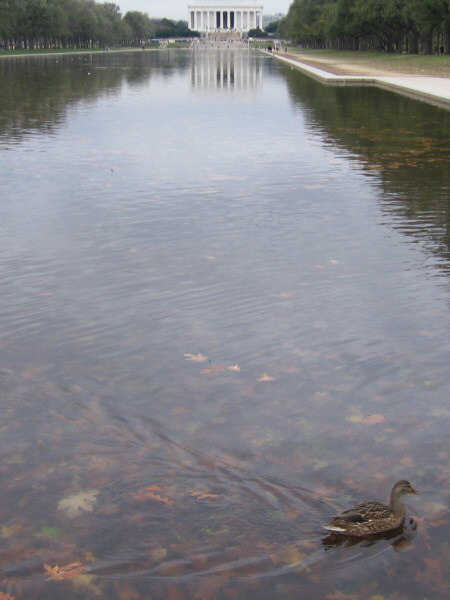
(432, 89)
(37, 53)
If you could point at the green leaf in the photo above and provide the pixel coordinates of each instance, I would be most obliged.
(52, 533)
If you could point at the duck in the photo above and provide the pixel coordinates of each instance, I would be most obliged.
(371, 518)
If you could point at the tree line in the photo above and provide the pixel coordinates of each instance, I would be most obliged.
(412, 26)
(78, 24)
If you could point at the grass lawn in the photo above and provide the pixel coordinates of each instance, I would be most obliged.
(374, 63)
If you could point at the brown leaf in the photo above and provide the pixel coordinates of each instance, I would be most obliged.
(341, 596)
(149, 492)
(374, 419)
(125, 591)
(57, 573)
(434, 564)
(195, 357)
(4, 596)
(203, 495)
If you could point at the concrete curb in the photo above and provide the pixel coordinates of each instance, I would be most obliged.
(434, 90)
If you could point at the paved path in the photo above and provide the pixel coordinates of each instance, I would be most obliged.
(431, 89)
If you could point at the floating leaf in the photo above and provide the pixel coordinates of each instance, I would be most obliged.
(195, 357)
(236, 368)
(265, 377)
(202, 495)
(77, 504)
(57, 573)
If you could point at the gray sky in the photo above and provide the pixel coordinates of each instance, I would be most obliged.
(177, 9)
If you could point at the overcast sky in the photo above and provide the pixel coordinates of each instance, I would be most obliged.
(177, 9)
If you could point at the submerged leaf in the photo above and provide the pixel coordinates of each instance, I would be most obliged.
(213, 370)
(354, 419)
(88, 581)
(158, 553)
(125, 591)
(341, 596)
(292, 556)
(52, 533)
(8, 531)
(374, 419)
(150, 492)
(77, 504)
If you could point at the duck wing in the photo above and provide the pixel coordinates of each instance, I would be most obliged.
(371, 511)
(351, 516)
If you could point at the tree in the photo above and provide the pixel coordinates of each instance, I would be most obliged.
(141, 26)
(257, 33)
(272, 27)
(7, 21)
(430, 16)
(394, 25)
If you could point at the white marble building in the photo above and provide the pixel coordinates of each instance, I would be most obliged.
(219, 15)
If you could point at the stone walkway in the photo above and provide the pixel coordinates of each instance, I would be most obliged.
(435, 90)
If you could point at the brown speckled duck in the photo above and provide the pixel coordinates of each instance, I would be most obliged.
(369, 518)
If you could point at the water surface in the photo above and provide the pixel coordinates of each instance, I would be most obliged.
(224, 317)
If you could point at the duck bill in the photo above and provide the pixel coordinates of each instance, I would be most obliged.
(413, 491)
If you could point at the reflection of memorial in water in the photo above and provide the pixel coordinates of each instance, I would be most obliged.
(228, 71)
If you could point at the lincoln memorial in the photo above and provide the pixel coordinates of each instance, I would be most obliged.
(218, 15)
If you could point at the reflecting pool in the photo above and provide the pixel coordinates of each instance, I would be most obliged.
(224, 317)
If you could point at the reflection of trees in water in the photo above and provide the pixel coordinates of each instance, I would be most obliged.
(35, 92)
(403, 144)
